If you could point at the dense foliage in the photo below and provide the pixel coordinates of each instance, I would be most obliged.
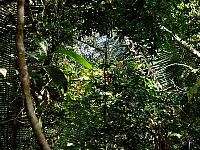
(129, 99)
(112, 75)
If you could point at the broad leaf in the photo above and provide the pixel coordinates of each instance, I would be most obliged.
(75, 57)
(57, 76)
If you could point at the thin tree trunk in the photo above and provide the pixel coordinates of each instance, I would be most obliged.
(24, 76)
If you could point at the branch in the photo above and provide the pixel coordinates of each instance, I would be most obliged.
(182, 43)
(174, 64)
(25, 77)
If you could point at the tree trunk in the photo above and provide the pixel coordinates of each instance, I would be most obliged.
(24, 76)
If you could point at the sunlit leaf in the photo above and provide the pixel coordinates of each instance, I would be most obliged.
(75, 56)
(3, 71)
(175, 134)
(43, 44)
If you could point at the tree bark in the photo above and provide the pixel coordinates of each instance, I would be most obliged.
(24, 76)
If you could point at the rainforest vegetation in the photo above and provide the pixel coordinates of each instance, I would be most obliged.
(100, 74)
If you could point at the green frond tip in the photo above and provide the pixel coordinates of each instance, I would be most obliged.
(76, 57)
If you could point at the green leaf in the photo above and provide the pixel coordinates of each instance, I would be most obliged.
(190, 94)
(58, 77)
(43, 44)
(193, 90)
(75, 56)
(198, 82)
